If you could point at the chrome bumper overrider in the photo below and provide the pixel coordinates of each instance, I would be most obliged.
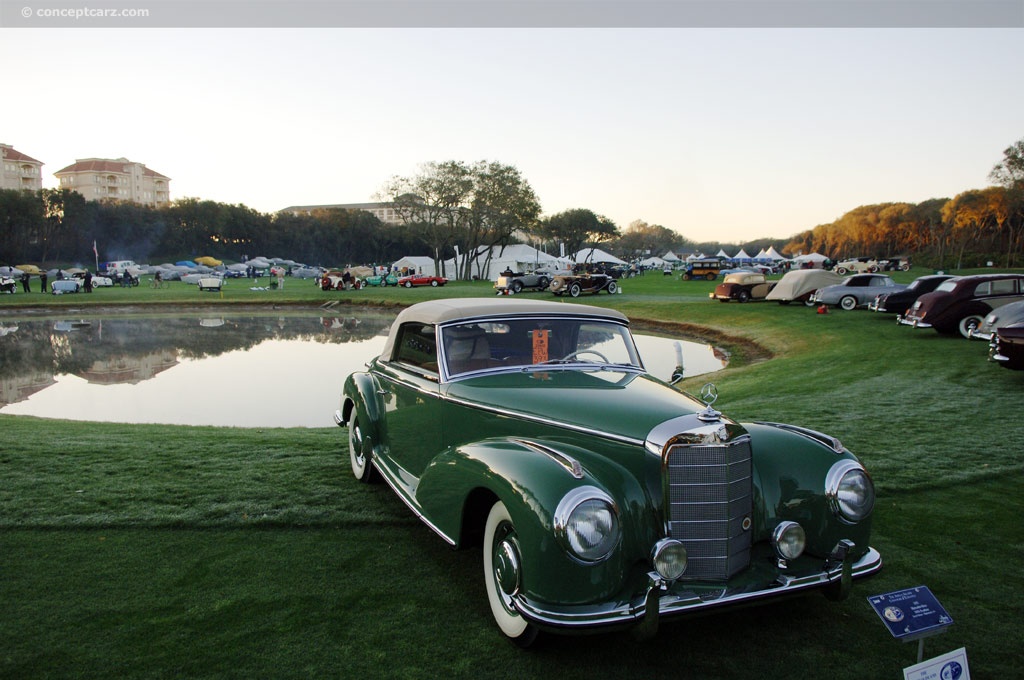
(916, 323)
(663, 600)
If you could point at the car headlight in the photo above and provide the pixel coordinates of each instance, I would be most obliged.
(789, 540)
(670, 559)
(587, 524)
(850, 491)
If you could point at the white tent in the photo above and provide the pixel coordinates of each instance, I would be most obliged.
(670, 257)
(773, 254)
(722, 253)
(814, 260)
(490, 262)
(596, 255)
(654, 263)
(762, 255)
(419, 264)
(742, 255)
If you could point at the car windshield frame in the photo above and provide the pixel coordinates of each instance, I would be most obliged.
(534, 343)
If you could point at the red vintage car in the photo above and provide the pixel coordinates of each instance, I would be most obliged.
(421, 280)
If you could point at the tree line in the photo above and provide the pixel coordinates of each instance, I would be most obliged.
(973, 228)
(457, 209)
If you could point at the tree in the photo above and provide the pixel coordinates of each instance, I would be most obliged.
(432, 202)
(642, 240)
(1009, 172)
(502, 203)
(576, 227)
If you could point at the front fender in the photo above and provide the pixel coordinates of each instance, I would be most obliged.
(791, 470)
(531, 482)
(360, 396)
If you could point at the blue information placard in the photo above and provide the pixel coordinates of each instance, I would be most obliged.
(911, 613)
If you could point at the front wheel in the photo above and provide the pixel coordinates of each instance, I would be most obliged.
(408, 284)
(361, 466)
(848, 302)
(434, 283)
(841, 271)
(575, 289)
(503, 575)
(517, 286)
(968, 324)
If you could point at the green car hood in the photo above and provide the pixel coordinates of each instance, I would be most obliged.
(624, 404)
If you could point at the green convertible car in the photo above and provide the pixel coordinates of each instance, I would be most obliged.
(603, 497)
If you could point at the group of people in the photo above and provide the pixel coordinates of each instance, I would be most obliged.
(26, 277)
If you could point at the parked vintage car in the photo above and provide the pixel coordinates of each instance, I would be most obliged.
(856, 291)
(603, 496)
(8, 285)
(742, 287)
(1007, 347)
(421, 280)
(575, 285)
(63, 286)
(382, 281)
(211, 283)
(996, 319)
(857, 265)
(961, 304)
(707, 268)
(899, 301)
(799, 284)
(516, 282)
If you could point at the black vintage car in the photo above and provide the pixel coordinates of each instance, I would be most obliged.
(898, 302)
(576, 284)
(1007, 347)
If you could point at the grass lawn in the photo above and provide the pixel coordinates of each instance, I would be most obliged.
(149, 551)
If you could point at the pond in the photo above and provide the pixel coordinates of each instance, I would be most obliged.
(234, 369)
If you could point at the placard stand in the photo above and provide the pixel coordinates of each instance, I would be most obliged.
(912, 614)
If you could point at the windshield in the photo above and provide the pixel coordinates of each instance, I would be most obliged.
(521, 343)
(947, 286)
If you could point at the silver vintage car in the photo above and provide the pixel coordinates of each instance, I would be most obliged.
(856, 291)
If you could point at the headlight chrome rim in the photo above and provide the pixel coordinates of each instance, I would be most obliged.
(587, 510)
(850, 491)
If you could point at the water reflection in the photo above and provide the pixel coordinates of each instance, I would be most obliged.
(234, 370)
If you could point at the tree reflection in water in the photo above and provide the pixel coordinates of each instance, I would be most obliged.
(239, 370)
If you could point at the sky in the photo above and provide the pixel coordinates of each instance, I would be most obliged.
(723, 135)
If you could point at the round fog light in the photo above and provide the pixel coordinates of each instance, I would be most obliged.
(789, 540)
(669, 559)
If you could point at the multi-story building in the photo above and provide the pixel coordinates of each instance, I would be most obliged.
(20, 171)
(116, 179)
(385, 212)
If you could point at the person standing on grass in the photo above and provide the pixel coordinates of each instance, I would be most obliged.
(24, 282)
(42, 279)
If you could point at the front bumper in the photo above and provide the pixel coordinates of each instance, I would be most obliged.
(666, 600)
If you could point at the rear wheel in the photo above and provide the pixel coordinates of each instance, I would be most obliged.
(743, 296)
(434, 283)
(613, 287)
(842, 271)
(711, 276)
(848, 302)
(503, 575)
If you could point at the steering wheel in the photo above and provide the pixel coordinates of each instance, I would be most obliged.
(585, 351)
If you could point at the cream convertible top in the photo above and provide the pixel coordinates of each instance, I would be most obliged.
(436, 312)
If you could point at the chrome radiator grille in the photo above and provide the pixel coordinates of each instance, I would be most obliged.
(709, 495)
